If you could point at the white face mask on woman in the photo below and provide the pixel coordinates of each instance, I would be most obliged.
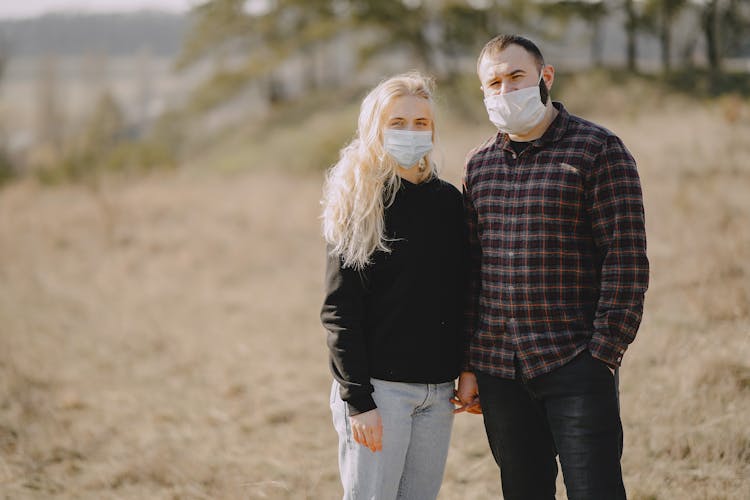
(407, 146)
(516, 112)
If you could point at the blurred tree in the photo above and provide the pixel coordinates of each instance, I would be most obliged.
(465, 29)
(726, 27)
(7, 169)
(49, 126)
(592, 12)
(145, 90)
(659, 16)
(711, 27)
(95, 68)
(106, 125)
(4, 56)
(253, 39)
(632, 22)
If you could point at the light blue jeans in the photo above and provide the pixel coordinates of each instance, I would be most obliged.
(417, 421)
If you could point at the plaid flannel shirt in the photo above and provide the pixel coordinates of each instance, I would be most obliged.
(558, 250)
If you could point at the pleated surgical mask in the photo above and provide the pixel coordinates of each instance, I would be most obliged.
(516, 112)
(407, 147)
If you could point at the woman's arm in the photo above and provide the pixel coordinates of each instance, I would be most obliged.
(342, 315)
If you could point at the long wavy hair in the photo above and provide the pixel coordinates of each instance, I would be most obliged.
(364, 181)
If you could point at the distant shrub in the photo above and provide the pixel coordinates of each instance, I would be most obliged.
(108, 144)
(7, 169)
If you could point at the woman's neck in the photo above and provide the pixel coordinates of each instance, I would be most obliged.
(415, 174)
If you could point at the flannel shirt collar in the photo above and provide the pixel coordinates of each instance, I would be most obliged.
(554, 132)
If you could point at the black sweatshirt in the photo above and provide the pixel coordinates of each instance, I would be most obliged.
(399, 319)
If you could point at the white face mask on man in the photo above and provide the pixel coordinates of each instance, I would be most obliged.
(516, 112)
(407, 146)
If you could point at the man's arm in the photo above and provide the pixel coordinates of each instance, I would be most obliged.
(473, 278)
(615, 205)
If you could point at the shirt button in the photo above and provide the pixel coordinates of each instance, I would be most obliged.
(513, 155)
(511, 287)
(512, 321)
(511, 254)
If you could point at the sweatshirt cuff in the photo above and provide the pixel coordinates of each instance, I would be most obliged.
(360, 404)
(607, 350)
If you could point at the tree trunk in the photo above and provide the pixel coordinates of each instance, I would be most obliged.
(631, 23)
(597, 43)
(711, 29)
(666, 38)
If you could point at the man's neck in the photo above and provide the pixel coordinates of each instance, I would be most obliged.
(540, 128)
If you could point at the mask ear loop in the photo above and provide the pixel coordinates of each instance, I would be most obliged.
(541, 77)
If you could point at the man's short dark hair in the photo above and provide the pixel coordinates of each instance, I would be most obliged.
(501, 42)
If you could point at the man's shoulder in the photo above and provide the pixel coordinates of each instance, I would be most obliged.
(581, 128)
(592, 139)
(482, 149)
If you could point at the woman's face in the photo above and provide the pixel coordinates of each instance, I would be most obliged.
(409, 113)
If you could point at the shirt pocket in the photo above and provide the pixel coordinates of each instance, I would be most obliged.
(554, 199)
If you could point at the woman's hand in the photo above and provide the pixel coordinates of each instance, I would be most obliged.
(367, 429)
(466, 397)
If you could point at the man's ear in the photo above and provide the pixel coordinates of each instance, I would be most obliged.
(548, 74)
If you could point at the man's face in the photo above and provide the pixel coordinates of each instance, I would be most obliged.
(513, 68)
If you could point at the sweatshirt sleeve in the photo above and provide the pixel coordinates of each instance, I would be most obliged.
(342, 315)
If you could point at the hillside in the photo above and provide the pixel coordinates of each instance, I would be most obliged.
(161, 338)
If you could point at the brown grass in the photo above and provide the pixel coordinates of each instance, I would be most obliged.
(159, 338)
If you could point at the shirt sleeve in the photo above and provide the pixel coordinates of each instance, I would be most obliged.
(342, 316)
(615, 205)
(473, 278)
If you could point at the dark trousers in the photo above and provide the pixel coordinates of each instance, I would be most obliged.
(572, 411)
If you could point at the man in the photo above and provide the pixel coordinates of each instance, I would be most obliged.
(559, 272)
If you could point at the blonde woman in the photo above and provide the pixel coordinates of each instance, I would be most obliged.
(394, 287)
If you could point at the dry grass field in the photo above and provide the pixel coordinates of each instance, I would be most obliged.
(159, 337)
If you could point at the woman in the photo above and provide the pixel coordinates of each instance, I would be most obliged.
(394, 281)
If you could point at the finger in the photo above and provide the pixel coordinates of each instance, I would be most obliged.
(369, 435)
(356, 435)
(377, 439)
(461, 409)
(475, 407)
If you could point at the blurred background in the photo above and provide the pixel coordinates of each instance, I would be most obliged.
(160, 254)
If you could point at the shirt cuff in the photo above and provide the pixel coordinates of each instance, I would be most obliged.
(604, 349)
(361, 404)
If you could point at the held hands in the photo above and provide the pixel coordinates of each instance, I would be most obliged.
(466, 397)
(367, 429)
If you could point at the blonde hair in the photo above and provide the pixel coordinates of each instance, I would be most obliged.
(364, 181)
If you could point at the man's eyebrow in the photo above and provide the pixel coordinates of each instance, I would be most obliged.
(498, 74)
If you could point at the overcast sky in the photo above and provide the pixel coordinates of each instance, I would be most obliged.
(29, 8)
